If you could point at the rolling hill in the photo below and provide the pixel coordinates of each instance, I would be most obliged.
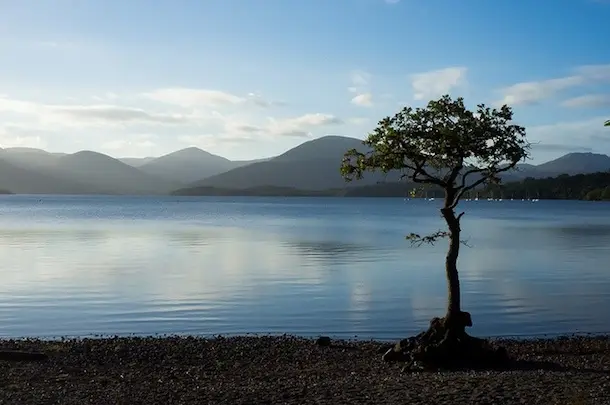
(34, 171)
(19, 180)
(191, 164)
(574, 163)
(187, 165)
(313, 165)
(105, 174)
(30, 158)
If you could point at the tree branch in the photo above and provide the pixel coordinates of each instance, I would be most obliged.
(418, 240)
(468, 173)
(463, 188)
(454, 173)
(419, 169)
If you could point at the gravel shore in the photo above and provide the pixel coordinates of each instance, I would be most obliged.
(291, 370)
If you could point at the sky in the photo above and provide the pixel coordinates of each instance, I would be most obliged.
(247, 79)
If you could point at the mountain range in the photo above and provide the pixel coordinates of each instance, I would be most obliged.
(313, 165)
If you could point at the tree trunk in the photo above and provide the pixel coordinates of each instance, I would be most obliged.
(455, 318)
(453, 281)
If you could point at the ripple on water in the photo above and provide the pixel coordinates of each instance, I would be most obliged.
(83, 265)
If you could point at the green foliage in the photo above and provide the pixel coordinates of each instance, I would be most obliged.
(593, 186)
(442, 144)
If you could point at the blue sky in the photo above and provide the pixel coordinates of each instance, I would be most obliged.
(247, 79)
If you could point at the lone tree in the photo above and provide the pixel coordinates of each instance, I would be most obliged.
(455, 149)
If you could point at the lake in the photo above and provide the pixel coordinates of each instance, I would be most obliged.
(81, 266)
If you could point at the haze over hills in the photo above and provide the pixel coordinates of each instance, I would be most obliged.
(137, 162)
(109, 175)
(31, 181)
(29, 157)
(574, 163)
(36, 171)
(313, 165)
(189, 165)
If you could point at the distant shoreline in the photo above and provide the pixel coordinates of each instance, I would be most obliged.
(320, 195)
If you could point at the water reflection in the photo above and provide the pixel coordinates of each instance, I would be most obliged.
(215, 267)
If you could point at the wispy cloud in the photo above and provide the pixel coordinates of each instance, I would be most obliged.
(139, 141)
(359, 87)
(301, 126)
(363, 100)
(583, 132)
(194, 98)
(589, 100)
(88, 115)
(525, 93)
(432, 84)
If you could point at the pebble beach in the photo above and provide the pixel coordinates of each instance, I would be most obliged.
(292, 370)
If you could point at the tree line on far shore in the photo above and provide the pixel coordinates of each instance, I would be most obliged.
(592, 187)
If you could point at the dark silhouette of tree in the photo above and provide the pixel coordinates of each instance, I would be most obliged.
(448, 146)
(607, 123)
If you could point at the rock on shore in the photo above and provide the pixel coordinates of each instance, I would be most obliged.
(291, 370)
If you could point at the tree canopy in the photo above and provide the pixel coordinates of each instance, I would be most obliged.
(442, 142)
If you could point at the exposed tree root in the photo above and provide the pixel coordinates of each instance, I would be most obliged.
(446, 346)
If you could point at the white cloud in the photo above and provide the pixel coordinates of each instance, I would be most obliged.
(435, 83)
(194, 97)
(590, 100)
(581, 133)
(595, 72)
(237, 130)
(197, 98)
(101, 114)
(108, 121)
(211, 141)
(534, 91)
(359, 87)
(7, 141)
(300, 126)
(363, 100)
(12, 136)
(134, 142)
(87, 115)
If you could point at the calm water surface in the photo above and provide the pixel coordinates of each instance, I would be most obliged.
(117, 265)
